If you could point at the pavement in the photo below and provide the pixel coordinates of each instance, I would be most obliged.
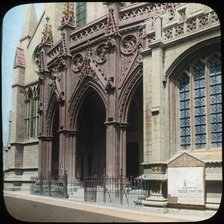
(105, 212)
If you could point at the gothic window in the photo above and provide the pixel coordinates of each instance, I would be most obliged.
(80, 13)
(215, 101)
(184, 112)
(200, 104)
(31, 114)
(32, 117)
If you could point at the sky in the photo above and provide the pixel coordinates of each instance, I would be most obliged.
(12, 27)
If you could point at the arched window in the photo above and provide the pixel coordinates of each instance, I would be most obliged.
(184, 110)
(214, 65)
(200, 104)
(31, 115)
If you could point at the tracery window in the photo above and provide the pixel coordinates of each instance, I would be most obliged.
(80, 13)
(31, 114)
(200, 104)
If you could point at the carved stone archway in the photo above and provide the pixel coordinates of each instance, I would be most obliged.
(91, 136)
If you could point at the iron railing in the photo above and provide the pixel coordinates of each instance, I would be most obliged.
(49, 186)
(120, 190)
(115, 190)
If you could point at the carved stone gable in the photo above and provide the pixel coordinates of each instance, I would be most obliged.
(186, 160)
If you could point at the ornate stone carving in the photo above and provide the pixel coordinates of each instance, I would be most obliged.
(150, 10)
(168, 34)
(129, 43)
(110, 85)
(68, 14)
(63, 45)
(89, 31)
(214, 17)
(112, 27)
(126, 93)
(191, 24)
(203, 21)
(77, 62)
(158, 168)
(101, 53)
(37, 61)
(179, 29)
(55, 81)
(87, 69)
(47, 37)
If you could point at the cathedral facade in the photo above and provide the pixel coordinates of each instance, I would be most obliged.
(120, 86)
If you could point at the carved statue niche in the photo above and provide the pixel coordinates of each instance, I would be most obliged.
(55, 81)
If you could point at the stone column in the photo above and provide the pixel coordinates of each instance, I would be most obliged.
(112, 145)
(45, 155)
(67, 158)
(155, 150)
(123, 145)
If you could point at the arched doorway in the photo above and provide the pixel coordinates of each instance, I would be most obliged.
(91, 140)
(55, 144)
(134, 149)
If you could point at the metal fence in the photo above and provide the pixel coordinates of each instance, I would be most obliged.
(49, 186)
(115, 190)
(120, 190)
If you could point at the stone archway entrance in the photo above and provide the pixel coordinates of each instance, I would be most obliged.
(134, 149)
(91, 139)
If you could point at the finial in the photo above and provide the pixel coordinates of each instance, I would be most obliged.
(47, 37)
(68, 14)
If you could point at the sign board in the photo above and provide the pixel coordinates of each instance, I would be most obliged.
(186, 182)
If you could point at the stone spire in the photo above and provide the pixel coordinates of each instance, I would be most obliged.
(47, 37)
(30, 22)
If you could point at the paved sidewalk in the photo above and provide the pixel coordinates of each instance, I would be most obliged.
(136, 213)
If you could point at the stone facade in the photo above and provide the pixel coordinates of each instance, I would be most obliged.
(106, 94)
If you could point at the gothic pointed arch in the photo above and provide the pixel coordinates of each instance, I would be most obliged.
(50, 113)
(78, 96)
(191, 54)
(127, 92)
(195, 97)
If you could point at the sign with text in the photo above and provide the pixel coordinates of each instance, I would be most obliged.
(187, 184)
(186, 181)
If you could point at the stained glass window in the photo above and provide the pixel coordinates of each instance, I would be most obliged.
(215, 101)
(31, 115)
(204, 93)
(80, 13)
(184, 112)
(199, 105)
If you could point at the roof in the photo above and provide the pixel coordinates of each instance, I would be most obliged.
(19, 58)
